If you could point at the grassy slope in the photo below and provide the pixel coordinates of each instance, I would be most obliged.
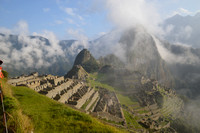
(41, 114)
(94, 83)
(16, 120)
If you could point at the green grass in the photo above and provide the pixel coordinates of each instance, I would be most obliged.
(93, 83)
(30, 111)
(143, 111)
(17, 122)
(50, 116)
(125, 100)
(131, 120)
(86, 103)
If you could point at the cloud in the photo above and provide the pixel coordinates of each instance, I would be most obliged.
(182, 11)
(20, 28)
(183, 32)
(70, 11)
(169, 28)
(5, 30)
(82, 41)
(46, 9)
(70, 21)
(59, 22)
(77, 34)
(108, 44)
(131, 13)
(187, 57)
(24, 51)
(186, 32)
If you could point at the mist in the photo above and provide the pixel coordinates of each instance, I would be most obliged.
(24, 51)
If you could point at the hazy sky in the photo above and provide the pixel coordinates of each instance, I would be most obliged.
(91, 18)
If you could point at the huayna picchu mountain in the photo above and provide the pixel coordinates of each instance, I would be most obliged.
(87, 61)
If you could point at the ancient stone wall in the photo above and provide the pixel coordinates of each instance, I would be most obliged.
(42, 87)
(107, 116)
(57, 90)
(58, 80)
(94, 98)
(20, 80)
(64, 98)
(85, 97)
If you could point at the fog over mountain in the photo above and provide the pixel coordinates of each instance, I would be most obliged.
(183, 29)
(24, 54)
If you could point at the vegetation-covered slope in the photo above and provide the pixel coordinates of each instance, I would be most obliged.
(30, 111)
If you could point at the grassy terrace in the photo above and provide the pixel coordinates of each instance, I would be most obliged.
(125, 100)
(29, 111)
(93, 83)
(132, 120)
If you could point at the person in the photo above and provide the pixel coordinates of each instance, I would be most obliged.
(1, 73)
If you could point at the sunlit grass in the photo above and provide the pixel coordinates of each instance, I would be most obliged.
(50, 116)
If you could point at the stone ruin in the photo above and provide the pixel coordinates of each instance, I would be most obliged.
(101, 103)
(108, 106)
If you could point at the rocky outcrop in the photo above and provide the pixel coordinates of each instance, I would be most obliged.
(77, 72)
(87, 61)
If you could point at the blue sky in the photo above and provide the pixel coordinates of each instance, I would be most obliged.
(72, 18)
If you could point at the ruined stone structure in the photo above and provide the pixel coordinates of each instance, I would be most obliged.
(108, 106)
(74, 92)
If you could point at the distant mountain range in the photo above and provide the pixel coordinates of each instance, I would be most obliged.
(174, 65)
(183, 29)
(24, 54)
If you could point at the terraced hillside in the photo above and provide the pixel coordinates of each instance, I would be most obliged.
(100, 102)
(28, 111)
(152, 108)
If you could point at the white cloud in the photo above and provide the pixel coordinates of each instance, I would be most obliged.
(20, 28)
(77, 34)
(131, 13)
(70, 21)
(182, 11)
(46, 9)
(187, 31)
(184, 33)
(59, 22)
(70, 11)
(5, 30)
(169, 29)
(82, 41)
(29, 52)
(186, 58)
(101, 33)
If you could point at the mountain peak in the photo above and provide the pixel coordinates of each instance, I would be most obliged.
(83, 56)
(77, 72)
(87, 61)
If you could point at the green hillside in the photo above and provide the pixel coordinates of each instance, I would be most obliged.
(29, 111)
